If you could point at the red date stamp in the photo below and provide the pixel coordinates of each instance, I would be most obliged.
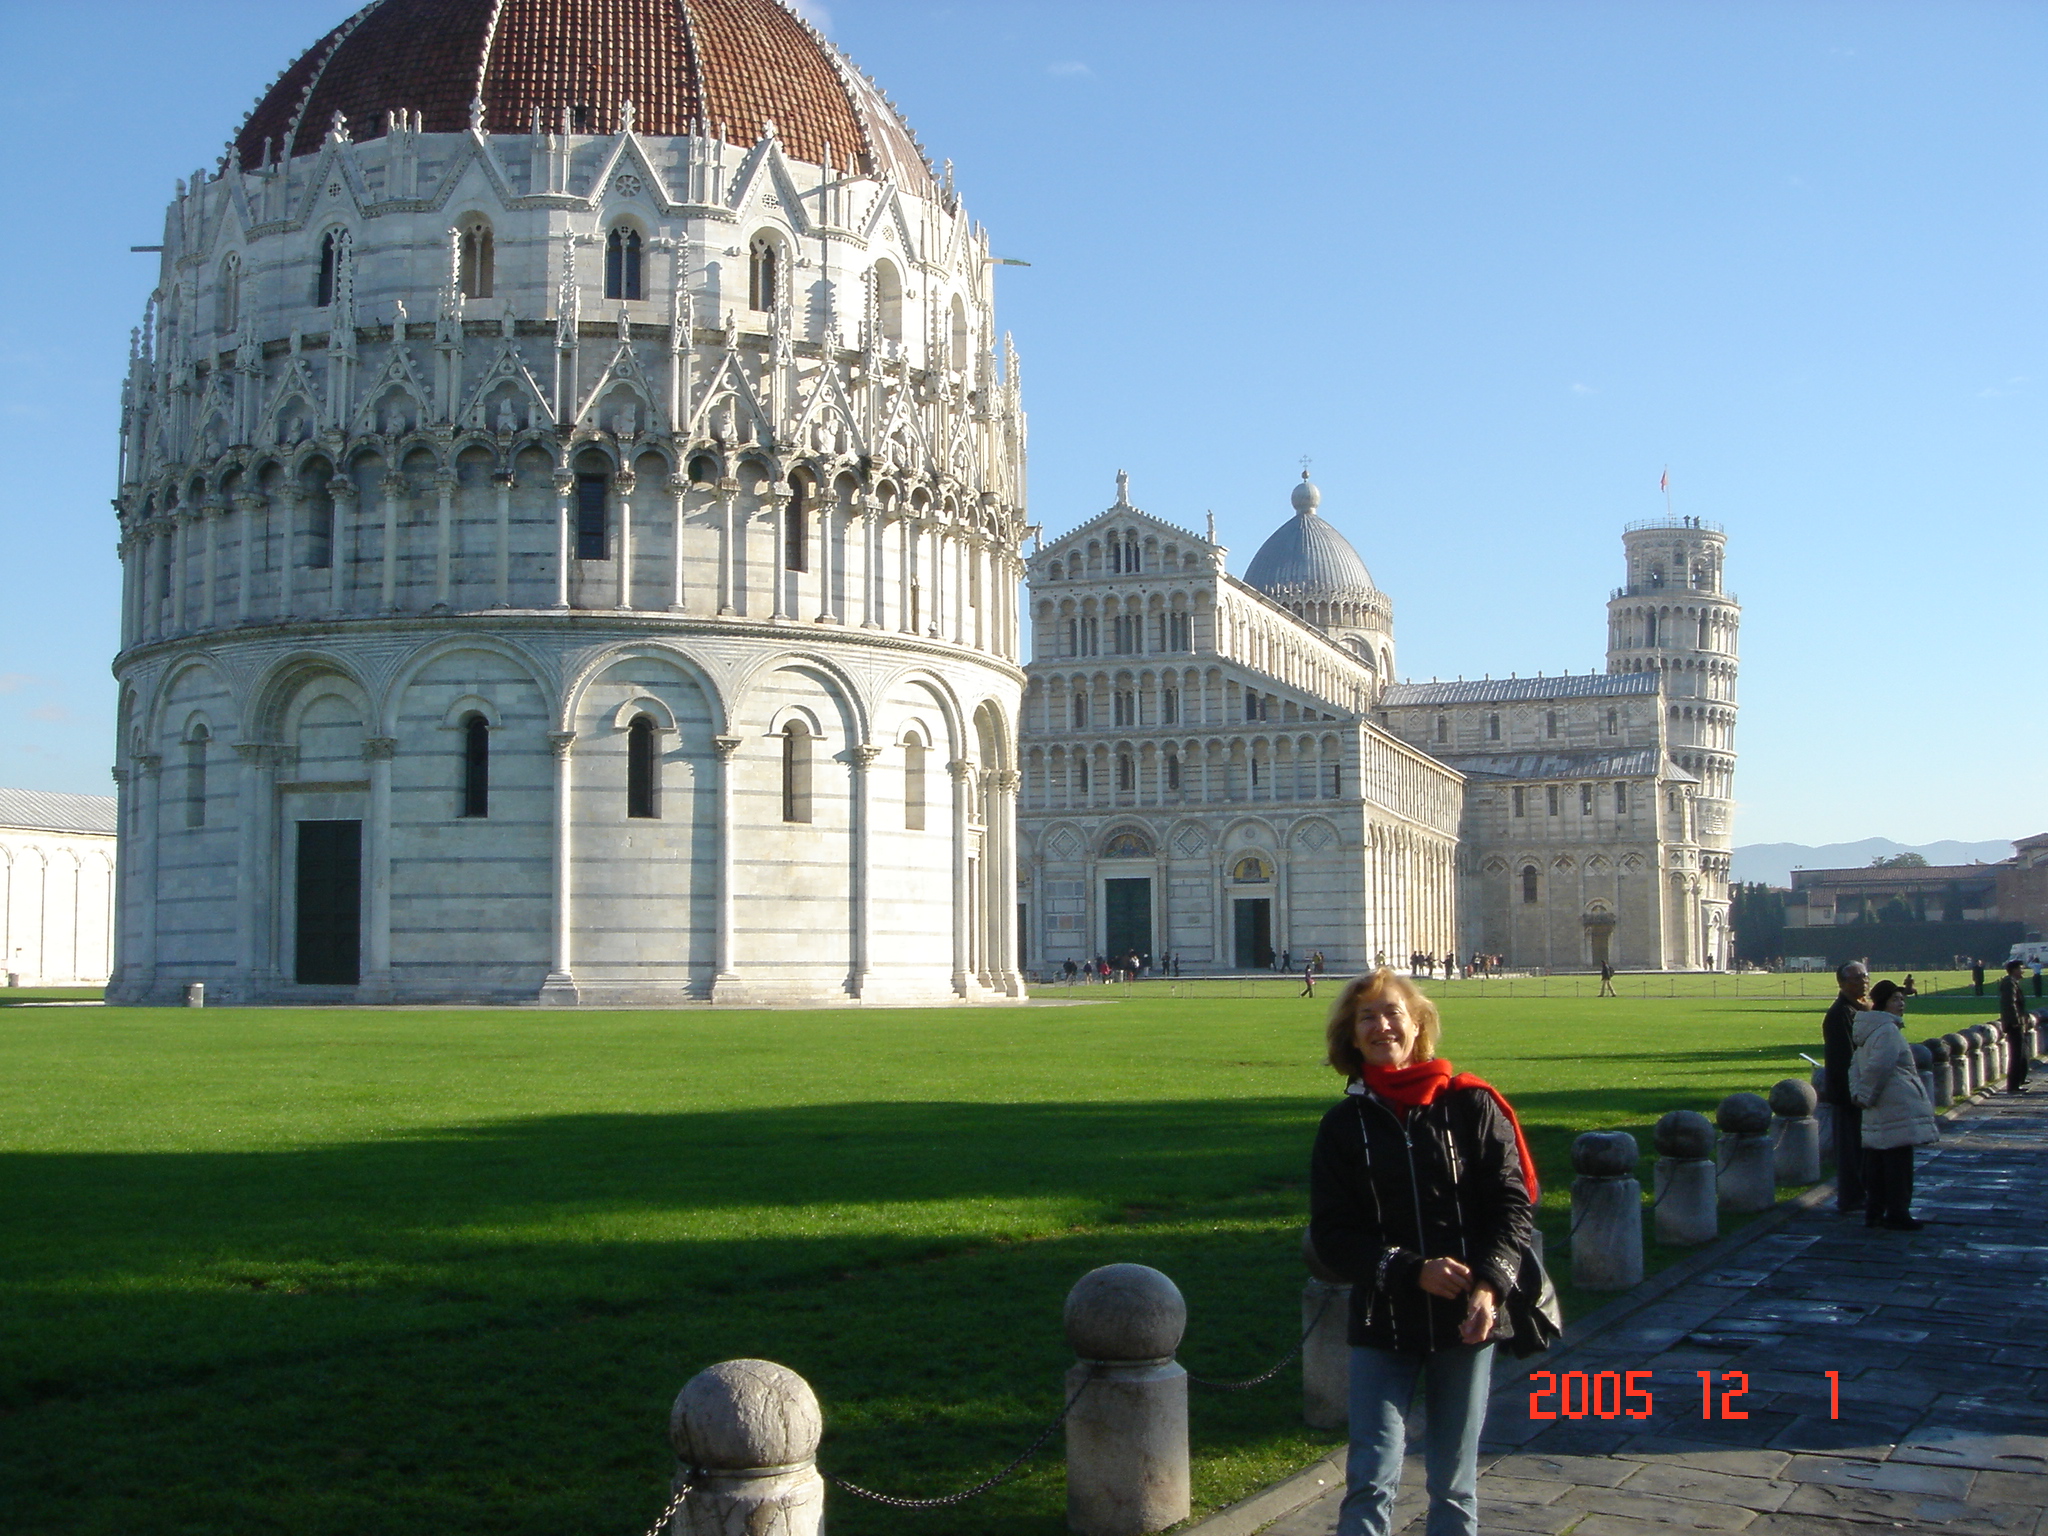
(1626, 1394)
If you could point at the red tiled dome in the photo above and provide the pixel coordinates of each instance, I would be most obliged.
(739, 63)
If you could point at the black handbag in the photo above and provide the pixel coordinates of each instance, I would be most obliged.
(1533, 1312)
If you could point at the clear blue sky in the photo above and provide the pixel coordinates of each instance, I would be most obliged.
(1493, 266)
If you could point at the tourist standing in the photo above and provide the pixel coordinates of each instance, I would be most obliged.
(1896, 1116)
(1414, 1165)
(1837, 1044)
(2018, 1024)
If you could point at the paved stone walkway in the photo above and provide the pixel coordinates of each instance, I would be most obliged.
(1939, 1339)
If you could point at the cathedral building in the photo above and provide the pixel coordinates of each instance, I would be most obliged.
(570, 504)
(1225, 770)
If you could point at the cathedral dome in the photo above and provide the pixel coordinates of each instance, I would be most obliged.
(1307, 559)
(684, 66)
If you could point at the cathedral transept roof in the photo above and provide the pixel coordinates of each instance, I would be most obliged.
(684, 65)
(1510, 690)
(1307, 559)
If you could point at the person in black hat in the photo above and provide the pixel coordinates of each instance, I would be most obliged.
(2018, 1024)
(1838, 1045)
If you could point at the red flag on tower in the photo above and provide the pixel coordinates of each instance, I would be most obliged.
(1664, 481)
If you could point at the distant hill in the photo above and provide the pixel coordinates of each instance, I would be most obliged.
(1772, 862)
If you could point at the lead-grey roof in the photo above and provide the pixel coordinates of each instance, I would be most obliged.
(1307, 558)
(1511, 690)
(1628, 763)
(42, 810)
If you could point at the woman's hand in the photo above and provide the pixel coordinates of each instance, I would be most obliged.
(1444, 1277)
(1479, 1314)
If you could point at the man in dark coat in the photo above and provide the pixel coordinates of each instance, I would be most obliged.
(1838, 1045)
(2018, 1024)
(1977, 976)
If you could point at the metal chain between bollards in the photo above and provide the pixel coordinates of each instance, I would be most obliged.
(1265, 1376)
(668, 1514)
(947, 1500)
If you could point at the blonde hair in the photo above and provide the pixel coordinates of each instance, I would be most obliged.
(1377, 986)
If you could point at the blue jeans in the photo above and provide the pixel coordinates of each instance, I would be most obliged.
(1382, 1386)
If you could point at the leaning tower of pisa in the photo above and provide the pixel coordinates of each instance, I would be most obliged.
(1675, 616)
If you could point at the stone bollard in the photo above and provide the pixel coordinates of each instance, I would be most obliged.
(1684, 1182)
(1795, 1133)
(1987, 1059)
(1973, 1062)
(1127, 1437)
(1958, 1066)
(1923, 1063)
(1824, 1114)
(1938, 1080)
(746, 1435)
(1326, 1357)
(195, 994)
(1994, 1036)
(1745, 1181)
(1607, 1212)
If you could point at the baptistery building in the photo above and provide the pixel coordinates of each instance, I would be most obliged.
(571, 498)
(1226, 770)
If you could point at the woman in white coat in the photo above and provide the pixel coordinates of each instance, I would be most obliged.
(1896, 1114)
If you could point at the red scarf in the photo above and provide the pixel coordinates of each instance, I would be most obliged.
(1422, 1082)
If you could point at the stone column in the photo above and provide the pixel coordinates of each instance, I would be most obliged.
(210, 513)
(624, 483)
(778, 502)
(256, 891)
(1003, 823)
(862, 760)
(559, 990)
(728, 552)
(826, 547)
(149, 828)
(1607, 1212)
(1127, 1436)
(678, 491)
(565, 511)
(124, 862)
(251, 507)
(394, 488)
(1795, 1133)
(728, 749)
(962, 772)
(444, 538)
(1684, 1194)
(1747, 1181)
(342, 492)
(870, 561)
(294, 501)
(181, 550)
(746, 1436)
(1326, 1357)
(376, 984)
(501, 575)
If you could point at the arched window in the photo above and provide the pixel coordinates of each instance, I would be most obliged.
(1443, 728)
(1550, 723)
(1621, 799)
(1080, 711)
(1173, 770)
(703, 470)
(476, 259)
(1649, 629)
(1492, 728)
(913, 784)
(622, 263)
(230, 292)
(1613, 722)
(888, 301)
(1081, 774)
(333, 253)
(1703, 632)
(796, 525)
(762, 275)
(959, 335)
(320, 529)
(476, 766)
(1529, 885)
(1126, 771)
(643, 769)
(796, 771)
(195, 776)
(591, 532)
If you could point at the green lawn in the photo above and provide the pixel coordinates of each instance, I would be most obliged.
(336, 1272)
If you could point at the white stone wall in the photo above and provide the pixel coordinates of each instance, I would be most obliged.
(56, 907)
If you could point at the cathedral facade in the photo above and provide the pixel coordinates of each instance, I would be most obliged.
(1224, 769)
(570, 507)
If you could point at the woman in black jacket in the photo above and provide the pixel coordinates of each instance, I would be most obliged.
(1420, 1195)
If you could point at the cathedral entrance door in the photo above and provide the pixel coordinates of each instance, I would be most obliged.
(1126, 918)
(1254, 933)
(329, 888)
